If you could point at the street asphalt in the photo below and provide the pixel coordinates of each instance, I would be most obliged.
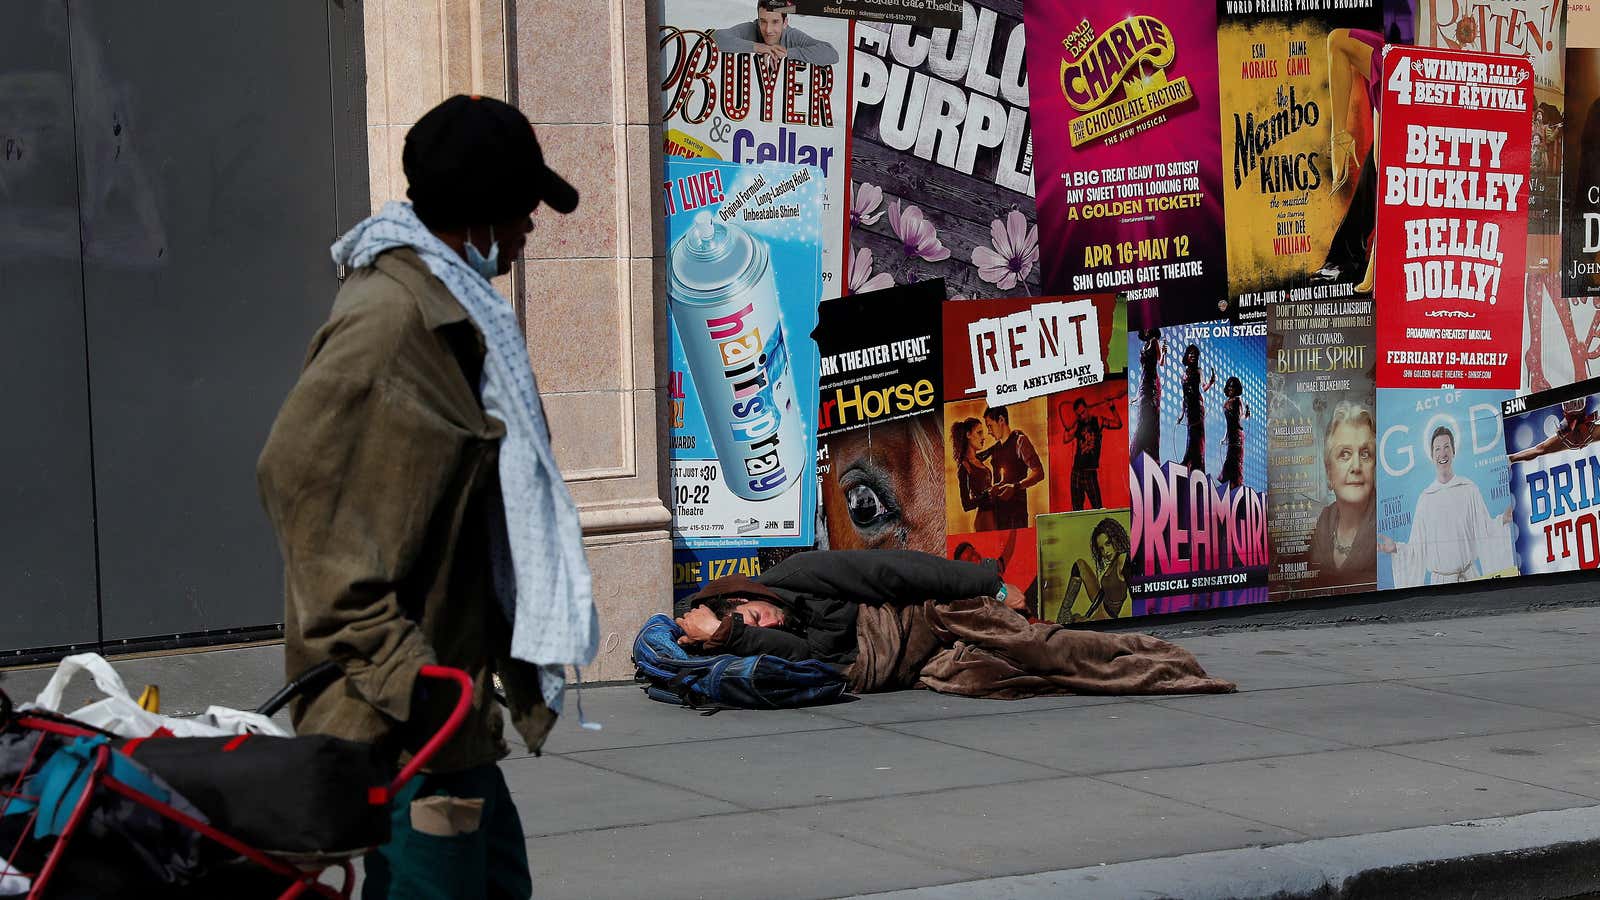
(1338, 734)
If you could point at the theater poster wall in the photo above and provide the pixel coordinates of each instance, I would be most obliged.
(723, 99)
(1444, 495)
(1299, 184)
(1555, 477)
(941, 156)
(1198, 464)
(879, 453)
(742, 286)
(1129, 165)
(1453, 207)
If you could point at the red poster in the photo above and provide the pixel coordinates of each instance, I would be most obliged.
(1452, 231)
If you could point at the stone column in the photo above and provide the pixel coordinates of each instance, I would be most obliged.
(590, 289)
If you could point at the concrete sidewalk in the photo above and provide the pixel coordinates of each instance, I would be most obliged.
(1336, 731)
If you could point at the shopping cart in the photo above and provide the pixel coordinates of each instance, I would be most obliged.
(302, 877)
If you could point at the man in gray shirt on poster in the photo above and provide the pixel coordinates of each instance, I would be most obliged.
(771, 35)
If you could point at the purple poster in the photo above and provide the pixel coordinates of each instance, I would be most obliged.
(1129, 159)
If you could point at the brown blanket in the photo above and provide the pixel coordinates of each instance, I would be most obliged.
(980, 648)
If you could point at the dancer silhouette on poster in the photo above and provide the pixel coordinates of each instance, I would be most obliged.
(1147, 400)
(1235, 410)
(1354, 55)
(1194, 408)
(1105, 581)
(1084, 427)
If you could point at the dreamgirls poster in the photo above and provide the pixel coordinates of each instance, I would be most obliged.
(879, 452)
(742, 287)
(1444, 497)
(1129, 160)
(1322, 448)
(1555, 477)
(941, 156)
(1299, 184)
(724, 98)
(1198, 462)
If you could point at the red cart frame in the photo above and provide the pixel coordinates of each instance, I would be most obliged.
(303, 881)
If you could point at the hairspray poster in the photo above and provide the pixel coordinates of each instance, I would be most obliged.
(1129, 159)
(1322, 448)
(1198, 462)
(1444, 496)
(743, 265)
(1453, 209)
(752, 86)
(878, 450)
(1297, 143)
(1555, 477)
(941, 156)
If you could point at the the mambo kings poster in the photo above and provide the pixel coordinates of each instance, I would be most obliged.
(879, 455)
(941, 156)
(1298, 177)
(1198, 465)
(1129, 165)
(726, 93)
(1555, 477)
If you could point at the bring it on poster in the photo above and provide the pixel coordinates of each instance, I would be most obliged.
(941, 156)
(1129, 165)
(1444, 497)
(1198, 463)
(879, 455)
(1032, 423)
(1555, 477)
(1297, 149)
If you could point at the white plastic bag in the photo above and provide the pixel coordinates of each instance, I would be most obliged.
(120, 714)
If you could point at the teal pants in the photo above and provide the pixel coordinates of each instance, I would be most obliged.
(452, 857)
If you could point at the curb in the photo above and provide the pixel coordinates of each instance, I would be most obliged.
(1553, 854)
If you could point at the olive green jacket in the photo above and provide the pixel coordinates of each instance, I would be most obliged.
(379, 476)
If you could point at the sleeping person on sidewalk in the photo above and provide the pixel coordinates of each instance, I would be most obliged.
(897, 619)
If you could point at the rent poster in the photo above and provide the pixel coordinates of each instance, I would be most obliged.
(1198, 522)
(727, 94)
(1322, 447)
(1580, 227)
(1129, 164)
(1444, 497)
(941, 156)
(1297, 136)
(1555, 477)
(1085, 566)
(742, 287)
(1453, 208)
(879, 452)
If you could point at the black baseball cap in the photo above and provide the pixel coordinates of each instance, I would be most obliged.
(473, 160)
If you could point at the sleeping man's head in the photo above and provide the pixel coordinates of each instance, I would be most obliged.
(756, 613)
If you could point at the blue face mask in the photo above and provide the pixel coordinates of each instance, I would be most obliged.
(487, 266)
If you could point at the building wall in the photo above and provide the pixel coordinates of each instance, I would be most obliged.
(587, 290)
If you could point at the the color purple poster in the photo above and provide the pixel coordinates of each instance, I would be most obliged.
(1129, 159)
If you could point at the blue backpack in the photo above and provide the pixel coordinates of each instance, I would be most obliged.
(671, 675)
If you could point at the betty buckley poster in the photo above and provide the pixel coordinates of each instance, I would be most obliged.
(1444, 498)
(879, 453)
(1453, 206)
(1299, 183)
(728, 93)
(1322, 444)
(1555, 477)
(941, 156)
(742, 287)
(1198, 463)
(1129, 161)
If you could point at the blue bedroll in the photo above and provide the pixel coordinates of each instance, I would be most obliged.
(671, 675)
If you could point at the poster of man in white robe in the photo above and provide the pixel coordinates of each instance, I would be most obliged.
(1444, 508)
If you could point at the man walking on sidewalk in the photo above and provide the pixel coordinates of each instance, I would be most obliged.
(418, 506)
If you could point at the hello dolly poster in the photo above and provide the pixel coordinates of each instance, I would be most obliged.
(1198, 464)
(941, 156)
(1129, 166)
(1299, 179)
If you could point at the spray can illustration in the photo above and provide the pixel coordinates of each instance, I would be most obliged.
(724, 305)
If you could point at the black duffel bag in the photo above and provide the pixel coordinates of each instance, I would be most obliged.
(311, 794)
